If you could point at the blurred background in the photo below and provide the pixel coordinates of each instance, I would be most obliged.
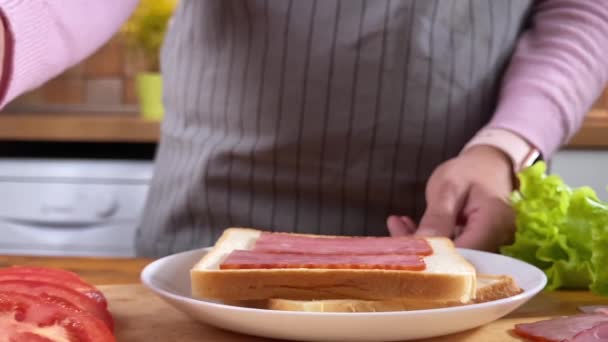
(76, 154)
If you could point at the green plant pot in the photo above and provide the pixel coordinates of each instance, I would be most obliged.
(150, 94)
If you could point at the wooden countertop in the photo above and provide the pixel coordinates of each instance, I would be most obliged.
(78, 127)
(142, 316)
(98, 271)
(131, 128)
(594, 132)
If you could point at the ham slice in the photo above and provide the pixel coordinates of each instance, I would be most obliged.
(566, 329)
(301, 244)
(603, 309)
(247, 259)
(595, 334)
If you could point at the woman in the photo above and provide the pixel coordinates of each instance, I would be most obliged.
(340, 117)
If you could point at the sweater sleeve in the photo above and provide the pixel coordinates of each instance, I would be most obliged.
(45, 37)
(558, 70)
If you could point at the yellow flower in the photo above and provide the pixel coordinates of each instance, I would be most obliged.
(146, 28)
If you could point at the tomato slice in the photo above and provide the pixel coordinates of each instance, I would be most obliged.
(57, 272)
(59, 294)
(29, 337)
(26, 318)
(54, 276)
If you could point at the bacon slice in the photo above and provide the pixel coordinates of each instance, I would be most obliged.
(296, 244)
(561, 329)
(246, 259)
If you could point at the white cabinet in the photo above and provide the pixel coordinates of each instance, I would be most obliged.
(583, 168)
(71, 207)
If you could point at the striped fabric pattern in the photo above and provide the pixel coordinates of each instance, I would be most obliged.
(317, 116)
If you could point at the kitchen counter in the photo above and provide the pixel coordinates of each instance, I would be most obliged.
(98, 271)
(131, 128)
(592, 134)
(142, 316)
(102, 127)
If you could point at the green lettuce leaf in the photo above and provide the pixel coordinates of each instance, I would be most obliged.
(561, 230)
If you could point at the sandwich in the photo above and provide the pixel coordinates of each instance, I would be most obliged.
(300, 272)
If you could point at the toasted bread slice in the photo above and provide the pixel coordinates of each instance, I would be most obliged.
(489, 288)
(494, 287)
(447, 277)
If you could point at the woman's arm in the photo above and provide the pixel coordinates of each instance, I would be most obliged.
(42, 38)
(558, 70)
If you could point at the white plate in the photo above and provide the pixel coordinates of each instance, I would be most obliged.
(169, 278)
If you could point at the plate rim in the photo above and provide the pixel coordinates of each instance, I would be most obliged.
(145, 277)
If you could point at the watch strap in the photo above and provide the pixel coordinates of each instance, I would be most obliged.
(519, 150)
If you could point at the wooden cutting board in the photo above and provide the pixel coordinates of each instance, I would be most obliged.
(142, 316)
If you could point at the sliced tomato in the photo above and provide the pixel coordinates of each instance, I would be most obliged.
(29, 337)
(59, 294)
(27, 318)
(54, 276)
(57, 272)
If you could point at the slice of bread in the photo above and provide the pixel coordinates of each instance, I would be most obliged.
(447, 277)
(489, 288)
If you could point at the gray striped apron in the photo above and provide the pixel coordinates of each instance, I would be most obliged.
(318, 116)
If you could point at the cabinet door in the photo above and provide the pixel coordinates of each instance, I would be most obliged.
(583, 168)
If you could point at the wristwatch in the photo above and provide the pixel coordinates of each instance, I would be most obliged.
(522, 153)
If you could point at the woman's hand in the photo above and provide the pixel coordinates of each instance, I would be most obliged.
(467, 200)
